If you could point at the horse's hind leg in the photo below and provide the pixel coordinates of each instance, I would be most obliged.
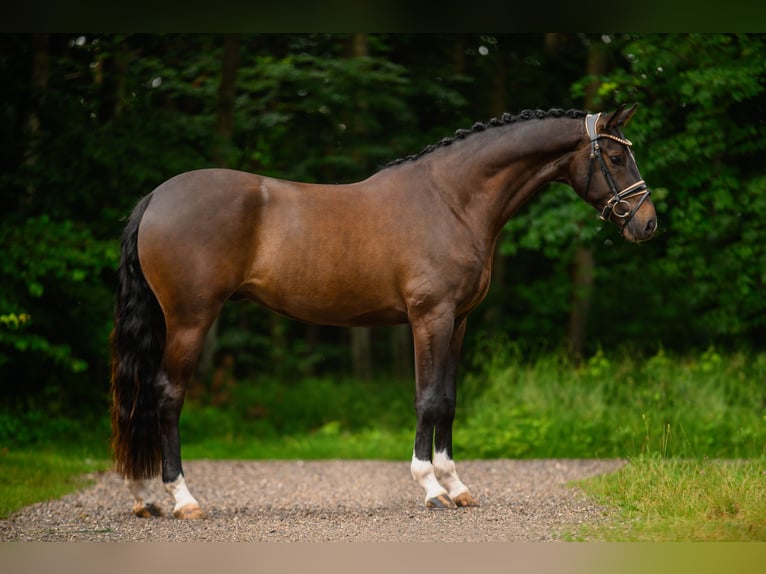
(182, 351)
(145, 505)
(170, 402)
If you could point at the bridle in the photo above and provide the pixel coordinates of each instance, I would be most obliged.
(618, 205)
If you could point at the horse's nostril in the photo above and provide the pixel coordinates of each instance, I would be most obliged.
(651, 225)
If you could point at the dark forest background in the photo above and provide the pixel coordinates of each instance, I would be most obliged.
(89, 123)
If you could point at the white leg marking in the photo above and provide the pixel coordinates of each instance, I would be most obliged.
(180, 493)
(446, 474)
(141, 490)
(423, 473)
(145, 505)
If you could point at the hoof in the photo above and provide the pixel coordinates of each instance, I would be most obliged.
(441, 501)
(465, 500)
(189, 512)
(147, 510)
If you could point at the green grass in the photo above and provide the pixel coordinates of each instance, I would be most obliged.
(327, 442)
(655, 499)
(30, 476)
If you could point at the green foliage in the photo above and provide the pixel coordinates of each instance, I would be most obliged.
(271, 409)
(701, 97)
(12, 321)
(698, 144)
(111, 116)
(342, 116)
(38, 425)
(51, 271)
(610, 406)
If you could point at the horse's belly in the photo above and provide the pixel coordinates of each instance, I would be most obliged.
(325, 304)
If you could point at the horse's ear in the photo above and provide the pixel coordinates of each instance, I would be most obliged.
(614, 119)
(621, 116)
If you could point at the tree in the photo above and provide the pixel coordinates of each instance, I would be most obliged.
(699, 143)
(222, 150)
(361, 345)
(93, 145)
(92, 122)
(583, 259)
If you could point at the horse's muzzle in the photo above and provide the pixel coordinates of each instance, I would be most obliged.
(640, 228)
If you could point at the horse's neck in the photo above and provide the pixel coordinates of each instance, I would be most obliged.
(493, 173)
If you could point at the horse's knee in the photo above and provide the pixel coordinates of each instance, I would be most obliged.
(435, 408)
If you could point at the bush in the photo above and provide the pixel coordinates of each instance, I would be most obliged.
(711, 405)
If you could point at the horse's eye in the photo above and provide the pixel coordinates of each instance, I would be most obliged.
(616, 159)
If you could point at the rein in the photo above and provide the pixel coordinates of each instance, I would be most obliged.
(618, 205)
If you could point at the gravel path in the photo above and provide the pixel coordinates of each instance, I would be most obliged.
(359, 501)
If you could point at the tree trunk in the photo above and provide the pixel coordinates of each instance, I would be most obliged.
(583, 262)
(39, 80)
(224, 127)
(582, 293)
(361, 338)
(110, 73)
(227, 93)
(278, 347)
(361, 353)
(402, 352)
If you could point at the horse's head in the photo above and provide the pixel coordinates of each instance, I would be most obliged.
(605, 174)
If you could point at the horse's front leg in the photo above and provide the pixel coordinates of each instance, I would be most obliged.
(437, 338)
(444, 465)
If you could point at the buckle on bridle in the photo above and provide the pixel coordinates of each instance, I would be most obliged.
(613, 207)
(621, 198)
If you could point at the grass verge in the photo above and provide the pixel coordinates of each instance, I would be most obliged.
(670, 500)
(30, 476)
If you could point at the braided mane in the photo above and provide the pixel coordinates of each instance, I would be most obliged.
(503, 120)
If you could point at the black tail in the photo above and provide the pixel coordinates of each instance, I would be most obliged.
(138, 342)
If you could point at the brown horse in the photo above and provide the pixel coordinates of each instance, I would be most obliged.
(411, 244)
